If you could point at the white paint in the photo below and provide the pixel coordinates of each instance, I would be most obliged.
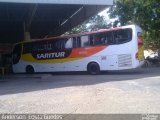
(85, 2)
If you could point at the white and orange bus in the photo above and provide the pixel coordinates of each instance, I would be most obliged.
(107, 49)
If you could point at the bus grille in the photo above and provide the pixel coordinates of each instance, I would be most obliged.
(124, 60)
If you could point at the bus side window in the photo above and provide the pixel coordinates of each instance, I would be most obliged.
(84, 41)
(94, 40)
(58, 44)
(40, 46)
(103, 39)
(76, 42)
(62, 44)
(98, 39)
(27, 48)
(54, 45)
(91, 40)
(35, 47)
(109, 38)
(123, 36)
(69, 43)
(47, 46)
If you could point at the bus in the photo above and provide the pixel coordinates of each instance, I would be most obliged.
(106, 49)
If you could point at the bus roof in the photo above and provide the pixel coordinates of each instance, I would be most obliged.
(75, 35)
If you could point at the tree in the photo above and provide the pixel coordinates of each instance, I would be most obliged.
(92, 24)
(145, 13)
(98, 22)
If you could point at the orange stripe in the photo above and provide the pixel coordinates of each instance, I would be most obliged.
(85, 52)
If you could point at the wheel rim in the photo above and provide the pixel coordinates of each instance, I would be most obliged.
(29, 69)
(94, 69)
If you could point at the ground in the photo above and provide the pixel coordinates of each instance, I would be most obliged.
(131, 91)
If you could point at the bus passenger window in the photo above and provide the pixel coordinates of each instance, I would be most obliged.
(103, 41)
(69, 43)
(47, 46)
(91, 40)
(94, 40)
(54, 45)
(123, 36)
(84, 41)
(98, 39)
(58, 44)
(109, 38)
(76, 42)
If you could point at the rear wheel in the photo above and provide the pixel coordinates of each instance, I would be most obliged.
(93, 68)
(30, 69)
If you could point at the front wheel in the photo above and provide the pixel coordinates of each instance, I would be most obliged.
(93, 68)
(29, 69)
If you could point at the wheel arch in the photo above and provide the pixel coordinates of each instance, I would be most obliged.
(93, 68)
(94, 62)
(31, 66)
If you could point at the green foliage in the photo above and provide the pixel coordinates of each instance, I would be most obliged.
(78, 29)
(98, 22)
(152, 39)
(92, 24)
(145, 13)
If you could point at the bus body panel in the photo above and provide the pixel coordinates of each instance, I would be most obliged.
(110, 57)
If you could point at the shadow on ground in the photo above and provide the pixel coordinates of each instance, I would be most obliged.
(21, 83)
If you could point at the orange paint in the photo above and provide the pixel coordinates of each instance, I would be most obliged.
(85, 52)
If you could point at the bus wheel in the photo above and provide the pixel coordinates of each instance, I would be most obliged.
(29, 69)
(93, 68)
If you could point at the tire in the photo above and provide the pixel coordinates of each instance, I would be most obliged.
(29, 69)
(93, 68)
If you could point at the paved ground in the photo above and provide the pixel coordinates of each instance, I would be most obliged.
(134, 91)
